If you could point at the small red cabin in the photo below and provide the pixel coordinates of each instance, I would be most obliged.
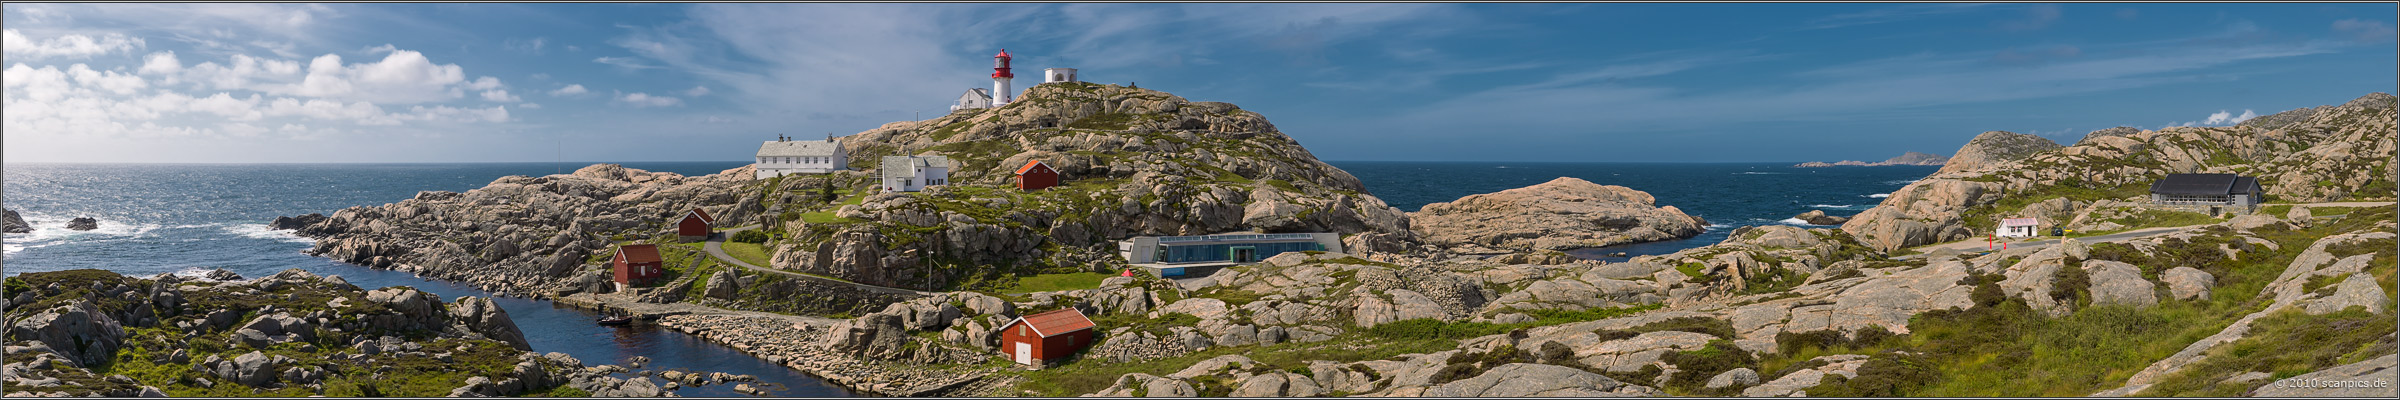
(695, 225)
(1042, 338)
(638, 265)
(1036, 176)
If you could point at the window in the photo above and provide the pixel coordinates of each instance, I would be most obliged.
(1024, 330)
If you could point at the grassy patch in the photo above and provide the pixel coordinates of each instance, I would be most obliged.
(2285, 344)
(1056, 282)
(2163, 218)
(752, 253)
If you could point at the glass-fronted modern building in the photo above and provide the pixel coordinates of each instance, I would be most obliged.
(1166, 252)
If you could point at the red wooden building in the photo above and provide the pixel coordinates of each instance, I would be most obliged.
(637, 265)
(1046, 337)
(695, 225)
(1036, 176)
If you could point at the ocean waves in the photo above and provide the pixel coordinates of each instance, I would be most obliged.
(260, 231)
(1840, 206)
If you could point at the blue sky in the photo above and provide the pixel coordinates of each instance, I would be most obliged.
(1433, 82)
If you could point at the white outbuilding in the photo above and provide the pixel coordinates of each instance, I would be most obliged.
(974, 98)
(1059, 75)
(785, 156)
(913, 173)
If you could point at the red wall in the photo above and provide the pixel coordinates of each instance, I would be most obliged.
(691, 226)
(1053, 348)
(1041, 177)
(626, 274)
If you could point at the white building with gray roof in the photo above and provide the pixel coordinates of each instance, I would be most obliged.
(914, 173)
(785, 156)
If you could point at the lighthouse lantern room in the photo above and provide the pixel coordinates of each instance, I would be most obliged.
(1001, 96)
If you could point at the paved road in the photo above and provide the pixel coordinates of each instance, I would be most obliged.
(1972, 245)
(716, 248)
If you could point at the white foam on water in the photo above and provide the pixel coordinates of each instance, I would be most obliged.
(1797, 221)
(1880, 195)
(1712, 227)
(260, 231)
(11, 248)
(1840, 206)
(1903, 182)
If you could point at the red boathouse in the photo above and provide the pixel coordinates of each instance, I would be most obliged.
(1036, 176)
(637, 265)
(695, 225)
(1047, 337)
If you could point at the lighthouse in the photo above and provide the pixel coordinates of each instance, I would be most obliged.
(1001, 96)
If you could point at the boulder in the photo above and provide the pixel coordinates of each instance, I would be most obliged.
(288, 223)
(252, 369)
(2358, 290)
(1738, 377)
(482, 316)
(1563, 214)
(83, 224)
(2300, 215)
(1818, 217)
(11, 223)
(2187, 283)
(2119, 283)
(78, 331)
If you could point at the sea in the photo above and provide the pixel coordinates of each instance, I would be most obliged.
(191, 218)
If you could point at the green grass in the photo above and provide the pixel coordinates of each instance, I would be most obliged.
(2279, 210)
(752, 253)
(1056, 282)
(2285, 344)
(2163, 218)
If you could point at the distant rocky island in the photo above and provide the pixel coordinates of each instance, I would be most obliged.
(1909, 158)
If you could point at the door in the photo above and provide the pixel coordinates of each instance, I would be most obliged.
(1243, 254)
(1024, 353)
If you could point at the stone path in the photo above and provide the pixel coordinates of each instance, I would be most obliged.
(716, 248)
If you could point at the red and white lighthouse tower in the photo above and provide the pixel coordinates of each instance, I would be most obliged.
(1000, 77)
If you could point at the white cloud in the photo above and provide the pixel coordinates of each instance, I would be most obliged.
(626, 62)
(111, 81)
(2362, 30)
(71, 45)
(530, 106)
(499, 96)
(485, 83)
(2221, 118)
(401, 77)
(530, 46)
(638, 99)
(570, 90)
(161, 63)
(696, 91)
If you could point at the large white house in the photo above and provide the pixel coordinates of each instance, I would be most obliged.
(913, 173)
(785, 156)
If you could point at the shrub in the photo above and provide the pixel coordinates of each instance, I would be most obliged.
(2070, 284)
(1891, 375)
(750, 236)
(1696, 366)
(1718, 327)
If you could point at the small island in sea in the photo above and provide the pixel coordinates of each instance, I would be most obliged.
(1910, 158)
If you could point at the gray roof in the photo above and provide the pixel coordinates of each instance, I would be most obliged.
(798, 148)
(901, 164)
(2205, 184)
(978, 92)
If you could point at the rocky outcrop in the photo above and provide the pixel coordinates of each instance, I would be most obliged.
(195, 324)
(1995, 147)
(11, 223)
(1538, 380)
(83, 224)
(518, 235)
(2110, 132)
(2370, 378)
(1818, 217)
(1565, 213)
